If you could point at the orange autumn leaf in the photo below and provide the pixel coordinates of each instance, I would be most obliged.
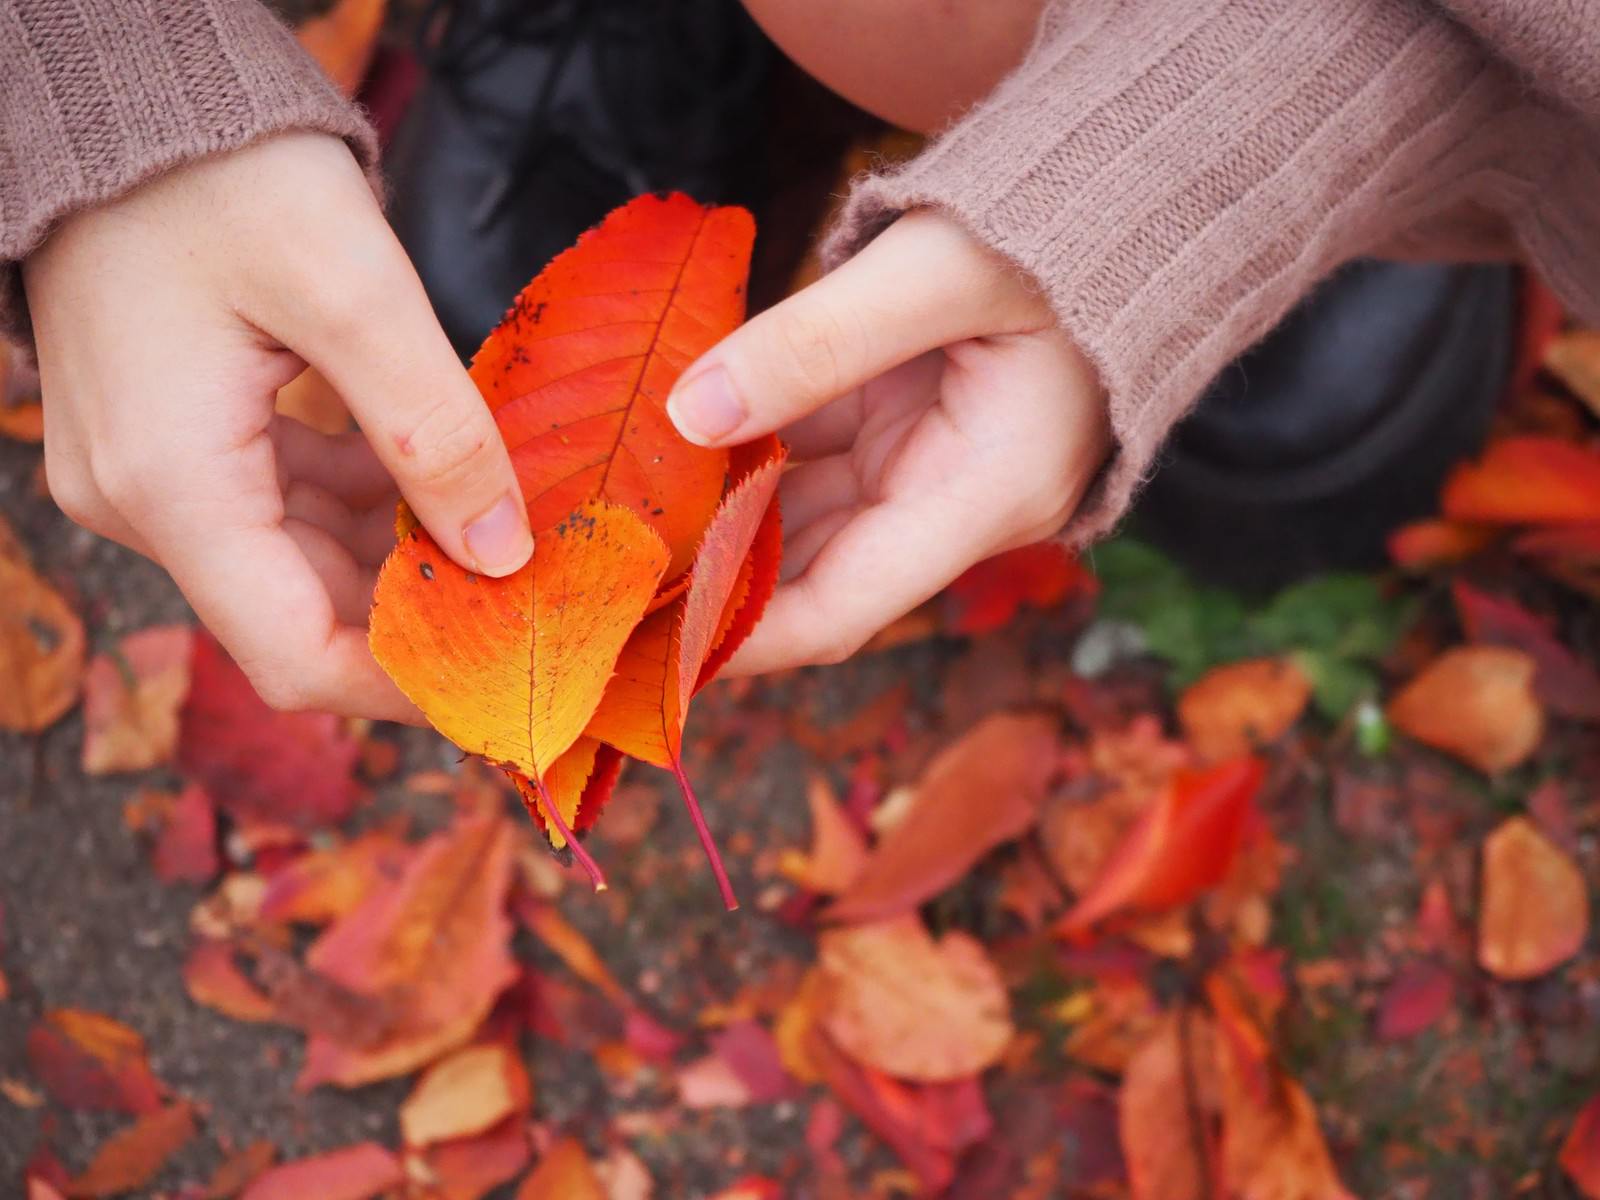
(22, 422)
(471, 1168)
(1437, 543)
(133, 1156)
(465, 1093)
(41, 644)
(1532, 479)
(434, 944)
(514, 668)
(1008, 760)
(577, 375)
(1233, 710)
(913, 1007)
(89, 1061)
(21, 414)
(236, 1171)
(342, 40)
(1574, 358)
(838, 847)
(564, 1173)
(1535, 913)
(1475, 703)
(355, 1172)
(1185, 843)
(1580, 1152)
(1166, 1112)
(211, 977)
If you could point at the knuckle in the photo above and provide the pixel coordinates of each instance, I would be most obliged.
(450, 449)
(72, 491)
(119, 476)
(812, 346)
(281, 690)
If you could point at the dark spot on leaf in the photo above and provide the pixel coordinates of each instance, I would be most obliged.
(427, 571)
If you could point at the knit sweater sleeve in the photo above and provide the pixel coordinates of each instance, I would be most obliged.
(98, 96)
(1175, 176)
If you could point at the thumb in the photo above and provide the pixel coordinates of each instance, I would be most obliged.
(426, 422)
(921, 284)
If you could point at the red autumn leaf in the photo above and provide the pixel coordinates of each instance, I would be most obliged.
(259, 765)
(1184, 843)
(41, 644)
(131, 700)
(1529, 479)
(578, 373)
(1580, 1152)
(1476, 703)
(1564, 683)
(647, 701)
(185, 849)
(238, 1169)
(472, 1167)
(1415, 999)
(1535, 910)
(133, 1156)
(89, 1061)
(564, 1173)
(352, 1173)
(1008, 760)
(989, 594)
(1437, 543)
(434, 946)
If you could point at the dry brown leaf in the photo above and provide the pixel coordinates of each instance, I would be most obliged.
(1475, 703)
(1535, 907)
(1233, 710)
(41, 644)
(466, 1093)
(910, 1006)
(838, 849)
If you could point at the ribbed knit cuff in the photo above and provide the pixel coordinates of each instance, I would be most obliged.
(98, 96)
(1176, 176)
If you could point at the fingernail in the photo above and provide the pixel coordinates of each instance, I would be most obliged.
(499, 541)
(705, 408)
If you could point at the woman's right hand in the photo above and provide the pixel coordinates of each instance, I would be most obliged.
(167, 320)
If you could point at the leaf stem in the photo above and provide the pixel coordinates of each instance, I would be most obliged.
(585, 860)
(713, 856)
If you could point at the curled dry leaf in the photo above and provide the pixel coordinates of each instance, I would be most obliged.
(1535, 912)
(131, 700)
(89, 1061)
(465, 1093)
(355, 1172)
(1475, 703)
(1185, 843)
(41, 644)
(564, 1173)
(838, 848)
(1234, 710)
(432, 946)
(1580, 1152)
(911, 1006)
(983, 790)
(133, 1156)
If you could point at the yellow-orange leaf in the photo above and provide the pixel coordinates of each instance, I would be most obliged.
(1535, 907)
(467, 1093)
(578, 373)
(1476, 703)
(513, 668)
(1233, 710)
(564, 1173)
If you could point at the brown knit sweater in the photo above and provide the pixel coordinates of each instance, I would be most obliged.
(1174, 174)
